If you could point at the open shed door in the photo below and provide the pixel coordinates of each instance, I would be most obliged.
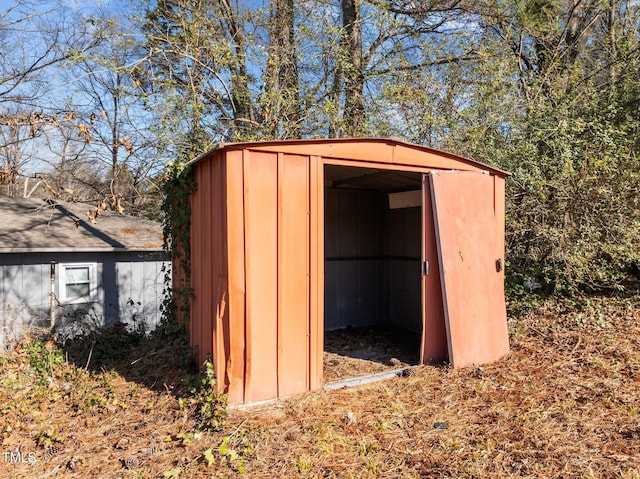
(470, 265)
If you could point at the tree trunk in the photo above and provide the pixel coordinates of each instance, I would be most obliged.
(352, 69)
(244, 120)
(281, 98)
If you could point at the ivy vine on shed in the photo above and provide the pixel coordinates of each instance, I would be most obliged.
(178, 187)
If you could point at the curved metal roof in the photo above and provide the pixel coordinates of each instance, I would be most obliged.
(383, 150)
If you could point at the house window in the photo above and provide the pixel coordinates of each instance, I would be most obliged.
(77, 283)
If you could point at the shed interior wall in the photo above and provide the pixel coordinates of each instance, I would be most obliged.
(372, 253)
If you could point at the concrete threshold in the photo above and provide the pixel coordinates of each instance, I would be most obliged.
(370, 378)
(344, 383)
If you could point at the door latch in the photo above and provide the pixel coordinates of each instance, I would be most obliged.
(425, 268)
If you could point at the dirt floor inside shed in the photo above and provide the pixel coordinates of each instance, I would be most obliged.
(355, 352)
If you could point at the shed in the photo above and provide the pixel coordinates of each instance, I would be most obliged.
(293, 238)
(57, 266)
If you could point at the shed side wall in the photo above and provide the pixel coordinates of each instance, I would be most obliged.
(209, 266)
(403, 231)
(355, 293)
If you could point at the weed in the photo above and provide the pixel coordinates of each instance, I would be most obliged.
(211, 407)
(172, 473)
(226, 451)
(365, 448)
(103, 347)
(47, 438)
(209, 457)
(43, 357)
(304, 464)
(184, 436)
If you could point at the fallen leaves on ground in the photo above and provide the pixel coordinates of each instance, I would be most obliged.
(565, 403)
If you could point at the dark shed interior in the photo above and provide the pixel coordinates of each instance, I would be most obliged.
(372, 252)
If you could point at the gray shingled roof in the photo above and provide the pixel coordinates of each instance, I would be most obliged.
(31, 224)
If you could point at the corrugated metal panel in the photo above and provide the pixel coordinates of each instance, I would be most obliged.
(316, 271)
(209, 273)
(205, 267)
(261, 260)
(293, 274)
(235, 235)
(403, 237)
(219, 269)
(261, 345)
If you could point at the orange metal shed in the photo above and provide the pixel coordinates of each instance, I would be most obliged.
(258, 230)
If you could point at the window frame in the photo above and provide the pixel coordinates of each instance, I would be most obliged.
(93, 284)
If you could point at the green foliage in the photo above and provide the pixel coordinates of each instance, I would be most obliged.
(210, 407)
(172, 473)
(160, 357)
(573, 217)
(570, 136)
(231, 455)
(176, 208)
(197, 71)
(104, 347)
(172, 334)
(47, 438)
(228, 454)
(209, 457)
(43, 357)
